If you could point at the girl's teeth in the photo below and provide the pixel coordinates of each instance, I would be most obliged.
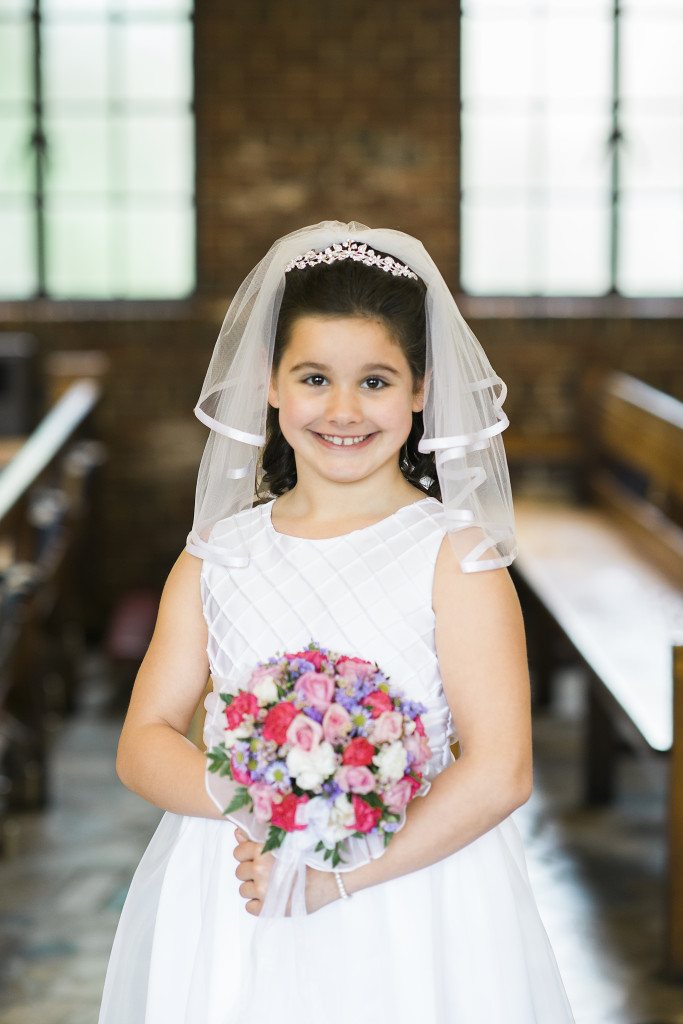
(343, 440)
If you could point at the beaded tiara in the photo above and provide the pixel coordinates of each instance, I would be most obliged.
(360, 252)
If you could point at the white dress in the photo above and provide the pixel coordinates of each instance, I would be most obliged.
(459, 942)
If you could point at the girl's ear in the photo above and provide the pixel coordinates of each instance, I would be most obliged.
(273, 397)
(419, 397)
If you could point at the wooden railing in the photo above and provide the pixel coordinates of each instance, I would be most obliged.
(44, 498)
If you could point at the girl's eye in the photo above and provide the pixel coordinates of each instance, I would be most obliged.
(374, 383)
(316, 379)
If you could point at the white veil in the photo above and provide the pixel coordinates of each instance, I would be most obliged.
(463, 414)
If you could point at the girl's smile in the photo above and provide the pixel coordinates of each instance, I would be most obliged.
(345, 396)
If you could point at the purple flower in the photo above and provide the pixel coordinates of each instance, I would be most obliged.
(277, 775)
(314, 713)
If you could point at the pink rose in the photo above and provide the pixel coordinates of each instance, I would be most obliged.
(355, 779)
(286, 814)
(366, 817)
(419, 726)
(240, 772)
(262, 794)
(388, 727)
(359, 751)
(378, 701)
(264, 672)
(355, 669)
(315, 658)
(401, 793)
(243, 704)
(304, 732)
(336, 723)
(418, 747)
(278, 721)
(315, 689)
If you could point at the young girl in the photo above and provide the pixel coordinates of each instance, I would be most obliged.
(387, 540)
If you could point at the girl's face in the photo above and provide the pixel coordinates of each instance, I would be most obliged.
(345, 396)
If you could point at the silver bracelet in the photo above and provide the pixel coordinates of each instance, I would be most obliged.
(340, 885)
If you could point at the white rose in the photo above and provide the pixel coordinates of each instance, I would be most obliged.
(230, 736)
(311, 767)
(265, 691)
(392, 761)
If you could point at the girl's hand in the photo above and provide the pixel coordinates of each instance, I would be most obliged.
(254, 869)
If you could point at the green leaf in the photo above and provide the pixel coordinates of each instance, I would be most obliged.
(275, 839)
(218, 757)
(320, 846)
(240, 799)
(372, 799)
(227, 698)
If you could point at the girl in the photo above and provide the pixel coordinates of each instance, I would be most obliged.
(379, 403)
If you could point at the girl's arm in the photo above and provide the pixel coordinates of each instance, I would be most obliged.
(482, 657)
(155, 759)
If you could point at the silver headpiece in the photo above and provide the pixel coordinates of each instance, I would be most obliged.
(350, 250)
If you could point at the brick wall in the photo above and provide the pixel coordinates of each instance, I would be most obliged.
(306, 110)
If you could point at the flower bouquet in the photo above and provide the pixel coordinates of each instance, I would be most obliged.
(322, 742)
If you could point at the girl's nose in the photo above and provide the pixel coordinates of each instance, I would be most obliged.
(343, 406)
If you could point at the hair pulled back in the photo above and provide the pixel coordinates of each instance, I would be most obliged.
(349, 288)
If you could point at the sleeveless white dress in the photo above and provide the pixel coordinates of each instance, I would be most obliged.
(459, 942)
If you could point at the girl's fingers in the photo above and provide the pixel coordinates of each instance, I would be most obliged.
(247, 851)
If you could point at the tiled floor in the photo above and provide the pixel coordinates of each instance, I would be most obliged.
(596, 875)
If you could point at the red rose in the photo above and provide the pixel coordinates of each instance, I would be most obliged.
(365, 815)
(277, 722)
(315, 658)
(243, 704)
(378, 701)
(359, 752)
(284, 812)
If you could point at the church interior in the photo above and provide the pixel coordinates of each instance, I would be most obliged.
(252, 120)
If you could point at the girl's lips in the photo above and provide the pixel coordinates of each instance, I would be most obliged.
(344, 442)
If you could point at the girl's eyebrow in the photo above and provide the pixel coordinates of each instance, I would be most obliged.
(322, 368)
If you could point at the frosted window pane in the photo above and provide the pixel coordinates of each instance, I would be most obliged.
(17, 6)
(652, 151)
(158, 154)
(17, 249)
(496, 58)
(495, 150)
(157, 253)
(576, 250)
(496, 239)
(575, 55)
(78, 250)
(157, 62)
(78, 155)
(157, 6)
(75, 62)
(16, 55)
(16, 156)
(651, 52)
(577, 151)
(651, 245)
(71, 7)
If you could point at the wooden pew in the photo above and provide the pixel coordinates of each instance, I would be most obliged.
(609, 576)
(43, 505)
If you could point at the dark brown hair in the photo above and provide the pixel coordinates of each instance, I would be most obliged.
(349, 288)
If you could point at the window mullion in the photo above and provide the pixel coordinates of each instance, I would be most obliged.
(39, 144)
(616, 136)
